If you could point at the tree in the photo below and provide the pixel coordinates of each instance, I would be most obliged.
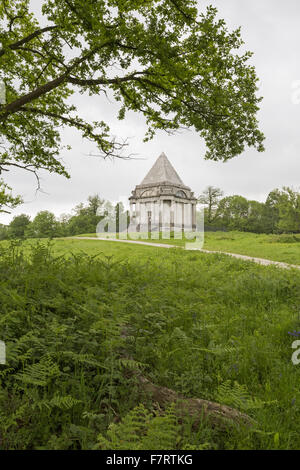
(44, 225)
(18, 226)
(289, 210)
(272, 210)
(3, 232)
(176, 66)
(256, 221)
(63, 222)
(233, 212)
(210, 197)
(283, 210)
(6, 198)
(87, 216)
(94, 204)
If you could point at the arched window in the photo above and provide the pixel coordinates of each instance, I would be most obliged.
(180, 194)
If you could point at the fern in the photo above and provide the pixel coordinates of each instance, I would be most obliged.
(237, 396)
(130, 364)
(64, 320)
(40, 373)
(126, 434)
(141, 429)
(163, 432)
(62, 402)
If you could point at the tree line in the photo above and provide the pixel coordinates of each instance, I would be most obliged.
(280, 213)
(45, 224)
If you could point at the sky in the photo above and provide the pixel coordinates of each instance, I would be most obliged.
(270, 29)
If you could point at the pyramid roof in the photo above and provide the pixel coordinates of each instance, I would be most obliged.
(162, 172)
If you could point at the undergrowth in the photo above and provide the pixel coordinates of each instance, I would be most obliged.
(207, 326)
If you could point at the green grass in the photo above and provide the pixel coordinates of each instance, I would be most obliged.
(285, 248)
(142, 237)
(207, 326)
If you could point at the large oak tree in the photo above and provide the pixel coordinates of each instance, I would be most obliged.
(163, 58)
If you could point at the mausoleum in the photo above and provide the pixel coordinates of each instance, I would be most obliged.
(162, 201)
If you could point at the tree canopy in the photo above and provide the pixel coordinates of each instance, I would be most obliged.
(18, 226)
(163, 58)
(43, 225)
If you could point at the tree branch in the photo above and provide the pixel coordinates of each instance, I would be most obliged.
(84, 126)
(15, 106)
(33, 95)
(115, 147)
(183, 13)
(105, 81)
(28, 38)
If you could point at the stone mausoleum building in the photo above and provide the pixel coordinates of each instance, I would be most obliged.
(162, 201)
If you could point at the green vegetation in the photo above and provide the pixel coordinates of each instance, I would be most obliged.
(85, 218)
(82, 319)
(280, 213)
(206, 326)
(283, 247)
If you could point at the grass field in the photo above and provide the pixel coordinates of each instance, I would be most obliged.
(206, 326)
(285, 248)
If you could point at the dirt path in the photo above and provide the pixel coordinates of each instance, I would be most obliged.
(265, 262)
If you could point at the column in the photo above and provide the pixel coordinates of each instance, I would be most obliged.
(188, 216)
(166, 219)
(172, 215)
(194, 215)
(154, 220)
(131, 212)
(138, 216)
(160, 214)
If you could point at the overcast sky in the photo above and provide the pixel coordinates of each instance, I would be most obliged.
(270, 28)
